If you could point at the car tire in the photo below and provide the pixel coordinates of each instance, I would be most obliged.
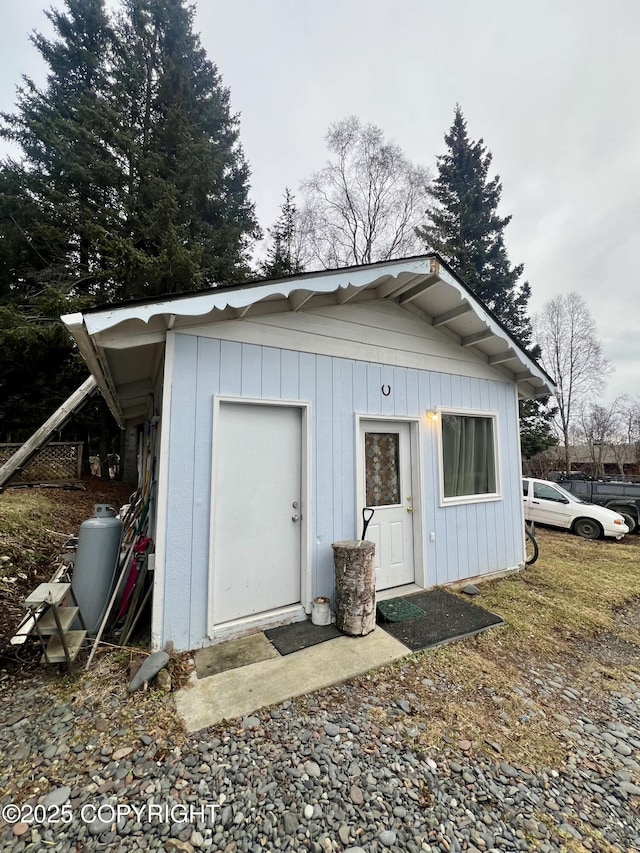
(587, 528)
(629, 520)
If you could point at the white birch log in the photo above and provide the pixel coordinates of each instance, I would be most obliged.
(355, 587)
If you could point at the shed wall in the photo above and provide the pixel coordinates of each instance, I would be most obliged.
(470, 539)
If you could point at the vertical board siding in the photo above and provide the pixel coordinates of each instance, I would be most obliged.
(180, 519)
(271, 372)
(470, 539)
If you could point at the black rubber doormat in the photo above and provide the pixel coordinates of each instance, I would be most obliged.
(301, 635)
(446, 617)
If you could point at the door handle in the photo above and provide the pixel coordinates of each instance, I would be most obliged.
(536, 502)
(295, 518)
(409, 509)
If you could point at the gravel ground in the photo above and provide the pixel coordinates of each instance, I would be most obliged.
(330, 772)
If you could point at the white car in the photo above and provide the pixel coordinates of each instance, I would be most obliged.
(548, 503)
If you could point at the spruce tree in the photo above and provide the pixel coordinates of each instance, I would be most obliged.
(465, 228)
(189, 221)
(283, 255)
(61, 196)
(130, 181)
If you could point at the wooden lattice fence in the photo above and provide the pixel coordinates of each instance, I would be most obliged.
(58, 462)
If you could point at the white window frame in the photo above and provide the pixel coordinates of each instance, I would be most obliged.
(468, 499)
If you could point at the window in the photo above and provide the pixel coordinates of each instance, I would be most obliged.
(606, 489)
(548, 493)
(469, 458)
(580, 489)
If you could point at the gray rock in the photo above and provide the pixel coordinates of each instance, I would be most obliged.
(356, 795)
(629, 788)
(149, 669)
(387, 838)
(97, 827)
(344, 834)
(290, 823)
(57, 797)
(470, 589)
(312, 769)
(250, 722)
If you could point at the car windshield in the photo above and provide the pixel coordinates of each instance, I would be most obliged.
(567, 494)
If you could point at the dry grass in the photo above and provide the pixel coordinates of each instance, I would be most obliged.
(554, 613)
(569, 595)
(34, 526)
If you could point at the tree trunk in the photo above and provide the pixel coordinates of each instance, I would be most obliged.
(355, 587)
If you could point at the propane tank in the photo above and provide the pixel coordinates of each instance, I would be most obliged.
(95, 565)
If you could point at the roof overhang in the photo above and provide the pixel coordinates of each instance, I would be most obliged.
(123, 345)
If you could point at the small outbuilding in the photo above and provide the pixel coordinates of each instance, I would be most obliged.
(285, 407)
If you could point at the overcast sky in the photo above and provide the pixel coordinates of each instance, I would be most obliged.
(552, 87)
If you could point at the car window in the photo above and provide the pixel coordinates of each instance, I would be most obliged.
(547, 493)
(632, 491)
(525, 487)
(606, 489)
(578, 488)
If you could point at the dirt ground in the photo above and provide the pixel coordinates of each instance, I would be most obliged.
(28, 559)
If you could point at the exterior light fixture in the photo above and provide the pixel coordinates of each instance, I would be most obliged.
(433, 415)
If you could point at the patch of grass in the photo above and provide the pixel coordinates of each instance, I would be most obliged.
(483, 689)
(570, 594)
(25, 519)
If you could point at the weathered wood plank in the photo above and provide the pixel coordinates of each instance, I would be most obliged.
(43, 435)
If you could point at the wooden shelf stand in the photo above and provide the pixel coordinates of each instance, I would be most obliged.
(53, 618)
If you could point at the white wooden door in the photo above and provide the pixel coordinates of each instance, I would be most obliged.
(257, 524)
(386, 487)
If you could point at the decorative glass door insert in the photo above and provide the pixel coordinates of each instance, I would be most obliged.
(382, 468)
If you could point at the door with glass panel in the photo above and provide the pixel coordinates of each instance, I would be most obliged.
(386, 487)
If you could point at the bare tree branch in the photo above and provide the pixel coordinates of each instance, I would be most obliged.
(572, 355)
(365, 204)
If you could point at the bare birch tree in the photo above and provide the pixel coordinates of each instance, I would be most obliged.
(626, 445)
(365, 204)
(599, 428)
(572, 355)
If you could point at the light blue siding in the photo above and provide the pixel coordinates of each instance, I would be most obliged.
(470, 539)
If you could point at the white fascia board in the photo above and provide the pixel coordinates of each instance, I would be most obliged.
(77, 328)
(204, 303)
(332, 281)
(525, 360)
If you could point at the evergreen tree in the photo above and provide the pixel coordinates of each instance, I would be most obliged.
(283, 255)
(465, 228)
(536, 435)
(189, 221)
(130, 181)
(64, 188)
